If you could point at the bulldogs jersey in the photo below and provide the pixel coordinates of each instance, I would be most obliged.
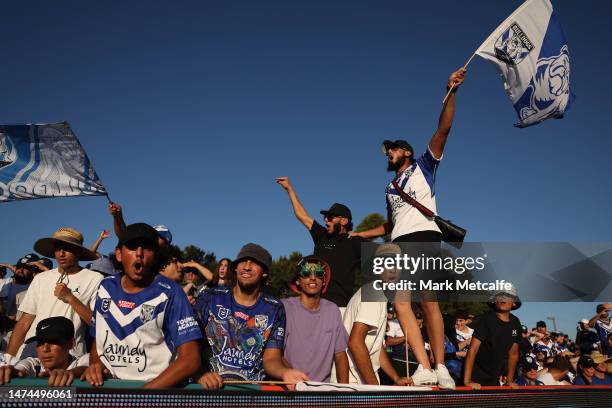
(137, 334)
(238, 335)
(417, 181)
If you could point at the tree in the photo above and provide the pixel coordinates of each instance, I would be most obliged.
(281, 271)
(370, 221)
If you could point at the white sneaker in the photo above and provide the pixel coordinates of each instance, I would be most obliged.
(445, 380)
(424, 376)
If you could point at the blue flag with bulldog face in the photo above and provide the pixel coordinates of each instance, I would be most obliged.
(42, 161)
(530, 51)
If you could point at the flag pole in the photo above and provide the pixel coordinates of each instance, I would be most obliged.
(453, 85)
(407, 363)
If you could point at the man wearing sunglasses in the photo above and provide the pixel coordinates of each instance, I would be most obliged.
(315, 335)
(331, 243)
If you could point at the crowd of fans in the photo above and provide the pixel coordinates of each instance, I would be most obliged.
(141, 314)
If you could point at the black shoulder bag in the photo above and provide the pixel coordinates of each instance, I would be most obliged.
(451, 233)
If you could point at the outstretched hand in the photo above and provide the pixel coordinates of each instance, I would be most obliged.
(284, 182)
(456, 78)
(114, 209)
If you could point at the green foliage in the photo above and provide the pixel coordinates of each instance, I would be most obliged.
(370, 221)
(193, 252)
(475, 308)
(373, 220)
(281, 271)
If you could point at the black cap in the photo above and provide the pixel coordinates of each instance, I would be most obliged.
(524, 329)
(55, 329)
(26, 259)
(586, 361)
(47, 262)
(255, 252)
(599, 308)
(139, 231)
(402, 144)
(528, 363)
(339, 210)
(541, 323)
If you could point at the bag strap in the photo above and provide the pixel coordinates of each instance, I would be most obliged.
(426, 211)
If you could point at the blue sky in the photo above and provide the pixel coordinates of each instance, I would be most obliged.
(189, 110)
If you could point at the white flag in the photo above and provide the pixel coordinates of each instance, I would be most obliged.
(40, 161)
(530, 52)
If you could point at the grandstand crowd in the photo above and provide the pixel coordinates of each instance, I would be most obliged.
(140, 314)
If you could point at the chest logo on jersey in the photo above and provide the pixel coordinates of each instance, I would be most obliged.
(514, 333)
(106, 302)
(241, 315)
(261, 321)
(126, 304)
(146, 313)
(222, 312)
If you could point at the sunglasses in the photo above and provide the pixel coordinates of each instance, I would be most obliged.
(308, 269)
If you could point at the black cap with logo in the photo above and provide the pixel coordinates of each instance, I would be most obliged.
(56, 329)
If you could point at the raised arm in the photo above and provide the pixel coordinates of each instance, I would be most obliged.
(208, 275)
(438, 140)
(103, 235)
(118, 223)
(300, 212)
(595, 318)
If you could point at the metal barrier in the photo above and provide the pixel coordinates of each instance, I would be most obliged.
(117, 393)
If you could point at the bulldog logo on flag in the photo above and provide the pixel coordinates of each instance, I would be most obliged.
(8, 154)
(513, 45)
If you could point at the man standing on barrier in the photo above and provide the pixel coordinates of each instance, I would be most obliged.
(406, 223)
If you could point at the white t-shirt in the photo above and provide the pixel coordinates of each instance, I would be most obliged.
(548, 379)
(394, 329)
(374, 314)
(417, 181)
(463, 336)
(32, 366)
(40, 301)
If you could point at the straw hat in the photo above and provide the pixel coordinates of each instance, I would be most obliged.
(46, 246)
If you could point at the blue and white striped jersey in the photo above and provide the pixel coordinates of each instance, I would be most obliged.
(418, 182)
(137, 334)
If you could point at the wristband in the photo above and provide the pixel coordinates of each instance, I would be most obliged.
(454, 89)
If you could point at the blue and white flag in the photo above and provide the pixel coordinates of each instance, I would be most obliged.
(40, 161)
(530, 52)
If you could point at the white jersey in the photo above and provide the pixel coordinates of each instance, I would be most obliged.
(137, 334)
(32, 366)
(417, 181)
(41, 302)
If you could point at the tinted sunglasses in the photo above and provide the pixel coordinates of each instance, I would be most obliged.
(308, 269)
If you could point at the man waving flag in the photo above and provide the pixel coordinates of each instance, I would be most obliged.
(40, 161)
(530, 51)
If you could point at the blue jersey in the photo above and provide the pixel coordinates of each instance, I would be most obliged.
(137, 334)
(238, 335)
